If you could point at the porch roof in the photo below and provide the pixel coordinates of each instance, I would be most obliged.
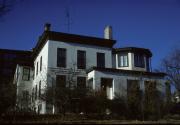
(113, 70)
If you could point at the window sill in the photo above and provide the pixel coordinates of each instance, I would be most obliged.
(122, 66)
(139, 67)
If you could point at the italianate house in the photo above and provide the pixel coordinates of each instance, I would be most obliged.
(96, 63)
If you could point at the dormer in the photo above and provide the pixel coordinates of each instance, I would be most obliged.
(132, 58)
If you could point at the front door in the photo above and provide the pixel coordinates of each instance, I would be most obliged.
(106, 87)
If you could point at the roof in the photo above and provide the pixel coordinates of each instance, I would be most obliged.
(133, 49)
(15, 51)
(72, 38)
(160, 74)
(22, 57)
(26, 65)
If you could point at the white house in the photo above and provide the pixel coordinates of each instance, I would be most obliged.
(95, 62)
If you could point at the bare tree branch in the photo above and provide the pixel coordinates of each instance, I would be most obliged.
(171, 65)
(6, 6)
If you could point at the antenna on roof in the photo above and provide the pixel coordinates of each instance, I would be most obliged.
(68, 17)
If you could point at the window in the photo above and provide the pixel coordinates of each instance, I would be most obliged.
(36, 92)
(101, 60)
(39, 108)
(147, 64)
(61, 57)
(106, 83)
(33, 94)
(81, 82)
(81, 59)
(123, 60)
(37, 68)
(133, 87)
(39, 88)
(151, 95)
(61, 81)
(34, 71)
(139, 60)
(134, 96)
(26, 74)
(41, 63)
(90, 83)
(25, 95)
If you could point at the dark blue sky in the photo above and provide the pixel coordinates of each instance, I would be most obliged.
(153, 24)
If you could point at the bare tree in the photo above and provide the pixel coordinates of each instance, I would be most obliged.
(134, 99)
(6, 6)
(171, 65)
(61, 94)
(7, 100)
(24, 103)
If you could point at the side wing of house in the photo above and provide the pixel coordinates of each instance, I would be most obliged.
(23, 80)
(116, 82)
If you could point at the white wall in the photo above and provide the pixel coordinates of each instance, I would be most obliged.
(42, 75)
(120, 81)
(72, 54)
(49, 61)
(92, 75)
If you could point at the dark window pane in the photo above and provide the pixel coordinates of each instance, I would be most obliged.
(106, 83)
(33, 94)
(81, 82)
(81, 59)
(147, 64)
(34, 72)
(133, 96)
(26, 74)
(39, 88)
(36, 92)
(90, 83)
(37, 67)
(101, 60)
(151, 96)
(25, 95)
(139, 60)
(39, 108)
(61, 81)
(41, 63)
(132, 86)
(61, 57)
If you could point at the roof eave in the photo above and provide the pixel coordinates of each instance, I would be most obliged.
(57, 36)
(132, 49)
(161, 74)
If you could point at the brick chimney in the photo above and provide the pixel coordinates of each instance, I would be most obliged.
(108, 32)
(47, 27)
